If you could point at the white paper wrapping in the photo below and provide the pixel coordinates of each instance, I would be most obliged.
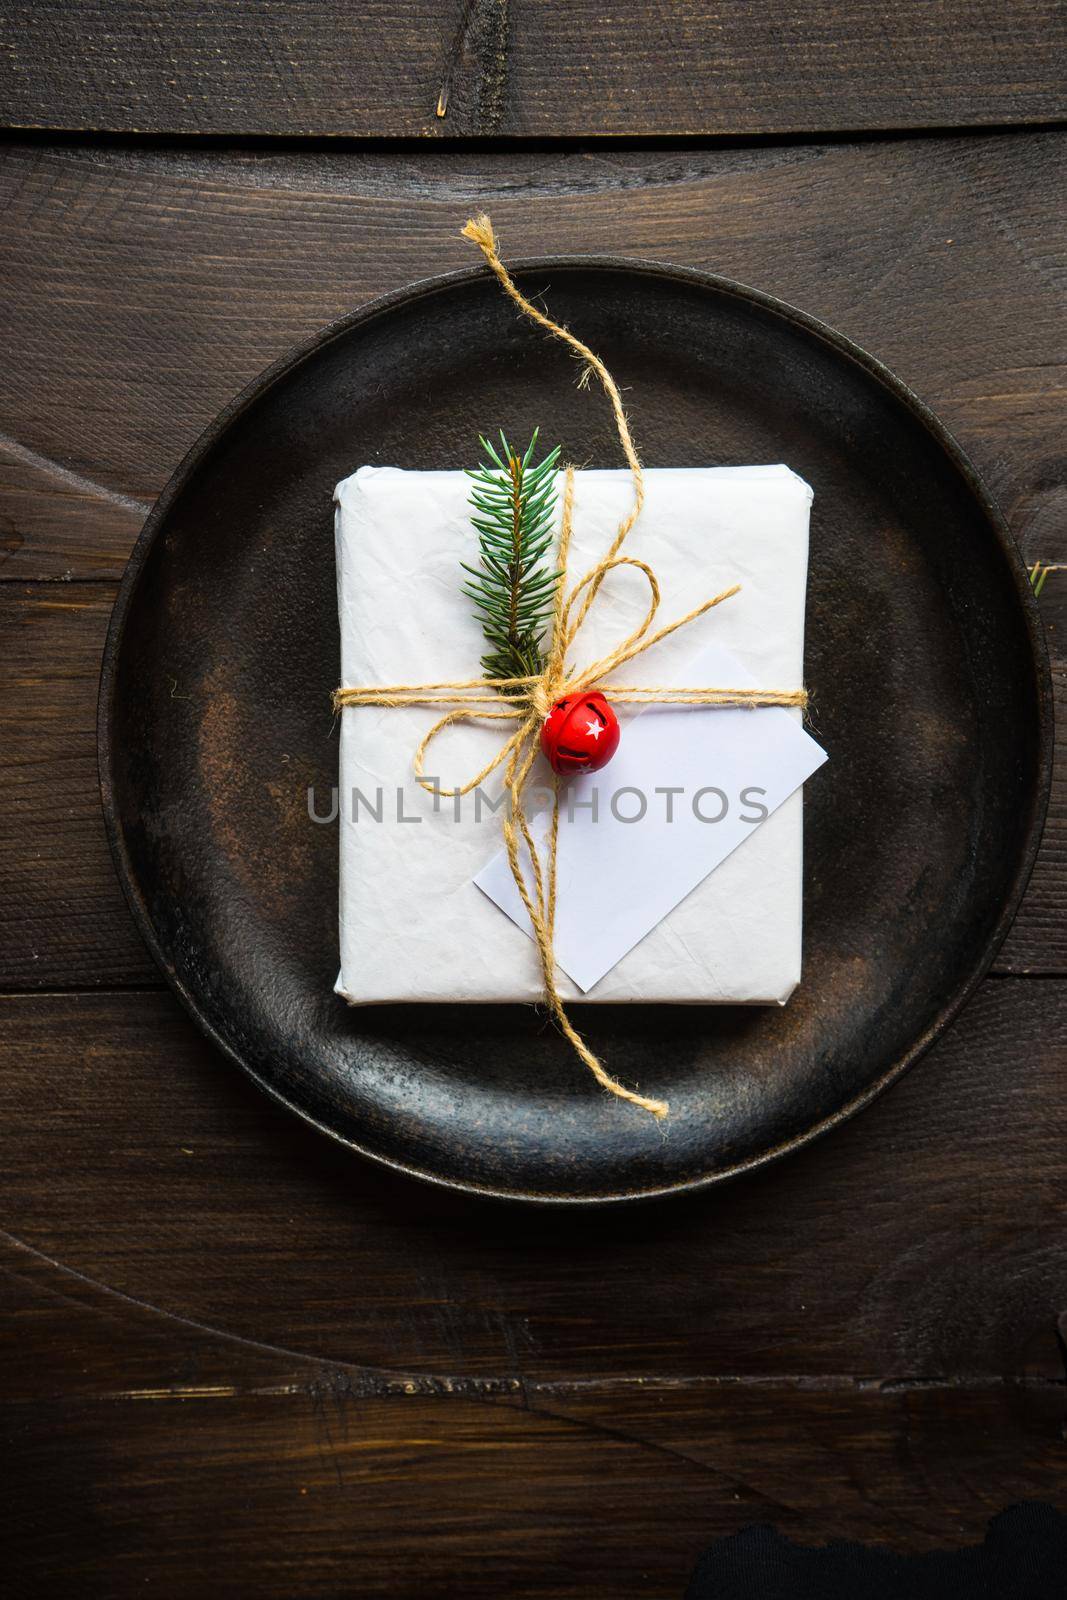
(413, 925)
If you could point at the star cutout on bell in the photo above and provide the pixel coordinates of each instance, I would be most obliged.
(594, 728)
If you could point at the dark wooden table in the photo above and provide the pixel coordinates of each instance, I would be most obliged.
(236, 1362)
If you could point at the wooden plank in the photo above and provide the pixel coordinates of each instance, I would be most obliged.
(534, 68)
(316, 1494)
(1037, 941)
(922, 1242)
(141, 290)
(133, 1426)
(63, 917)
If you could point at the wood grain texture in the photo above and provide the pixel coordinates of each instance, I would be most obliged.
(921, 1242)
(55, 523)
(141, 290)
(137, 1431)
(63, 918)
(526, 67)
(362, 1386)
(319, 1494)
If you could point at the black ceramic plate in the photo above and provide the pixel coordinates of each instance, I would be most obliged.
(924, 654)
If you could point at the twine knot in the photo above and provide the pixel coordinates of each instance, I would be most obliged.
(544, 692)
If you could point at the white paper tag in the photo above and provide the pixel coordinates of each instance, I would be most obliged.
(686, 787)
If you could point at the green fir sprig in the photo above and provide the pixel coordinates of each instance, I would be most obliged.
(513, 504)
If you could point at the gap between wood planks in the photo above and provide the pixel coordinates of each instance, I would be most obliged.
(505, 144)
(353, 1383)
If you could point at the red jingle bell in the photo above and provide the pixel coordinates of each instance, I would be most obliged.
(580, 734)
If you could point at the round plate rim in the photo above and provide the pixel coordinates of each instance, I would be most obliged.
(425, 289)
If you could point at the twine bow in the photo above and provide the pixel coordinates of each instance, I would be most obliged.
(527, 701)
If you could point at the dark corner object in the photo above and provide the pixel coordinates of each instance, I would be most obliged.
(1023, 1557)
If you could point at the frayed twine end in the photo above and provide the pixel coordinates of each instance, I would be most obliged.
(479, 229)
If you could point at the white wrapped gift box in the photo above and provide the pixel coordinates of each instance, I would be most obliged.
(413, 924)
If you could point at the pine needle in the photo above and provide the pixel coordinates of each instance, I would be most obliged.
(1038, 574)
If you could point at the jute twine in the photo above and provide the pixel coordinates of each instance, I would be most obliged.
(527, 701)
